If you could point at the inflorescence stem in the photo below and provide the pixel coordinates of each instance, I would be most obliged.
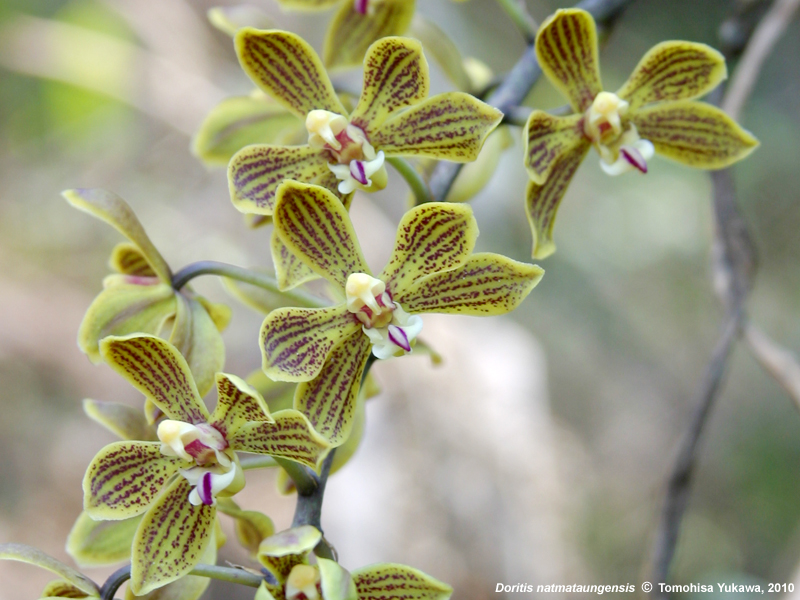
(522, 19)
(418, 185)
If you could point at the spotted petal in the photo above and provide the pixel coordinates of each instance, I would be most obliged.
(395, 77)
(124, 308)
(124, 478)
(315, 226)
(281, 552)
(97, 543)
(329, 400)
(255, 173)
(171, 539)
(33, 556)
(157, 369)
(542, 201)
(548, 138)
(295, 342)
(694, 133)
(674, 70)
(238, 122)
(126, 258)
(351, 32)
(286, 67)
(431, 237)
(238, 403)
(124, 421)
(290, 271)
(451, 126)
(112, 209)
(388, 581)
(197, 337)
(486, 284)
(566, 47)
(289, 436)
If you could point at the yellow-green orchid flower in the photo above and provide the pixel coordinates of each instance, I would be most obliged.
(140, 297)
(71, 583)
(432, 269)
(653, 112)
(286, 555)
(345, 152)
(175, 481)
(357, 24)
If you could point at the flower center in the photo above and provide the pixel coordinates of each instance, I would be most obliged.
(620, 150)
(390, 329)
(357, 164)
(216, 467)
(303, 583)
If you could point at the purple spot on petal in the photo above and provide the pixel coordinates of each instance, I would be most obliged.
(361, 6)
(399, 338)
(204, 489)
(634, 157)
(357, 171)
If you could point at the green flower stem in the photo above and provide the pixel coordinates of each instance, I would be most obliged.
(240, 576)
(414, 180)
(210, 267)
(522, 19)
(304, 479)
(228, 574)
(514, 88)
(256, 461)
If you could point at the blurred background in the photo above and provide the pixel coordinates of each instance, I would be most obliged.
(538, 452)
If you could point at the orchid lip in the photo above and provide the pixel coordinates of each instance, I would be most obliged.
(204, 489)
(358, 173)
(361, 6)
(399, 338)
(634, 157)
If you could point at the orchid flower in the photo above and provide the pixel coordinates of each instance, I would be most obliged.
(432, 269)
(347, 151)
(140, 297)
(175, 481)
(357, 24)
(653, 112)
(286, 556)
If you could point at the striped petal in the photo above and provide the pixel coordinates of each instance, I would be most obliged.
(125, 477)
(61, 589)
(282, 551)
(286, 67)
(329, 400)
(124, 308)
(566, 47)
(33, 556)
(126, 258)
(157, 369)
(694, 134)
(351, 33)
(674, 70)
(124, 421)
(171, 539)
(290, 436)
(295, 342)
(238, 122)
(388, 581)
(431, 237)
(315, 226)
(112, 209)
(255, 173)
(486, 284)
(230, 19)
(450, 126)
(395, 77)
(98, 543)
(542, 201)
(290, 271)
(548, 138)
(238, 403)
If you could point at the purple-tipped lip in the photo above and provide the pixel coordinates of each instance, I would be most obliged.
(634, 157)
(361, 6)
(358, 173)
(399, 338)
(204, 489)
